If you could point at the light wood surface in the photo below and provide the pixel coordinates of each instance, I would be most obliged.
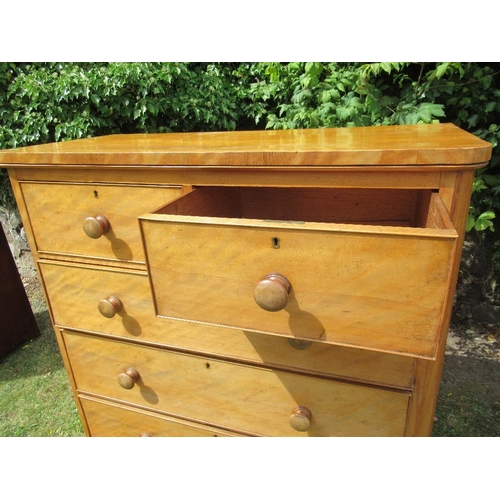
(383, 146)
(233, 395)
(456, 193)
(74, 293)
(351, 285)
(58, 211)
(107, 419)
(366, 224)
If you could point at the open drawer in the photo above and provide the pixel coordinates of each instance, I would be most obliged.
(368, 268)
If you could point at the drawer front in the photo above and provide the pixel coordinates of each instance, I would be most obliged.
(75, 291)
(375, 289)
(107, 419)
(237, 397)
(58, 211)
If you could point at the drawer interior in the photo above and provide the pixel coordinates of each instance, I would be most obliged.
(381, 207)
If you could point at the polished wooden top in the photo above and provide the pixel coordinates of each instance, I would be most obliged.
(418, 145)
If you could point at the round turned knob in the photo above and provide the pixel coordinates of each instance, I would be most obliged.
(110, 306)
(300, 419)
(272, 292)
(128, 379)
(95, 227)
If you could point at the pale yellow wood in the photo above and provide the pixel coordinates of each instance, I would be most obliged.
(393, 300)
(225, 176)
(427, 145)
(58, 210)
(108, 419)
(351, 285)
(74, 292)
(457, 192)
(231, 395)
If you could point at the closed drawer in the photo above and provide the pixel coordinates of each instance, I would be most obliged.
(75, 291)
(107, 419)
(364, 268)
(58, 212)
(233, 396)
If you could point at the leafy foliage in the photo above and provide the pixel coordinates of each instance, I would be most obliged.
(46, 102)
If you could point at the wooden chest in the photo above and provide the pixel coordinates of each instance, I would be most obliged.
(280, 283)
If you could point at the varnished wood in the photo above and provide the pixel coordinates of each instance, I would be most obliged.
(353, 285)
(406, 184)
(74, 290)
(95, 227)
(424, 145)
(110, 306)
(253, 400)
(300, 419)
(109, 419)
(58, 211)
(271, 293)
(225, 176)
(129, 378)
(456, 193)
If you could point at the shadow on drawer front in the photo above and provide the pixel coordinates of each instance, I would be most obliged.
(365, 268)
(76, 291)
(232, 396)
(91, 220)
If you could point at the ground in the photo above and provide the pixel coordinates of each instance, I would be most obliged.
(469, 400)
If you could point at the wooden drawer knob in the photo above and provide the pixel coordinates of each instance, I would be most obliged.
(128, 379)
(300, 419)
(95, 227)
(272, 292)
(110, 306)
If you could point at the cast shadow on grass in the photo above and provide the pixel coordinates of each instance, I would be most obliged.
(34, 357)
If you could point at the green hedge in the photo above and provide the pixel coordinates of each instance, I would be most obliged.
(46, 102)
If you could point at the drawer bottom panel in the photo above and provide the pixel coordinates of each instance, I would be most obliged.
(232, 396)
(107, 419)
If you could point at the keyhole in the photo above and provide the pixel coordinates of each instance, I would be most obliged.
(276, 242)
(96, 194)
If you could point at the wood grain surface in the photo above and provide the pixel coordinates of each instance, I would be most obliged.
(437, 144)
(74, 292)
(231, 395)
(58, 211)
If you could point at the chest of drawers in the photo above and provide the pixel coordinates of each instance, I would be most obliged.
(291, 283)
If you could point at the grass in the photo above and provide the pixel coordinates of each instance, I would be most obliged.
(36, 398)
(469, 399)
(467, 414)
(35, 394)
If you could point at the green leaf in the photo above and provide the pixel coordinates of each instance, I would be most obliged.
(441, 69)
(386, 66)
(488, 215)
(470, 223)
